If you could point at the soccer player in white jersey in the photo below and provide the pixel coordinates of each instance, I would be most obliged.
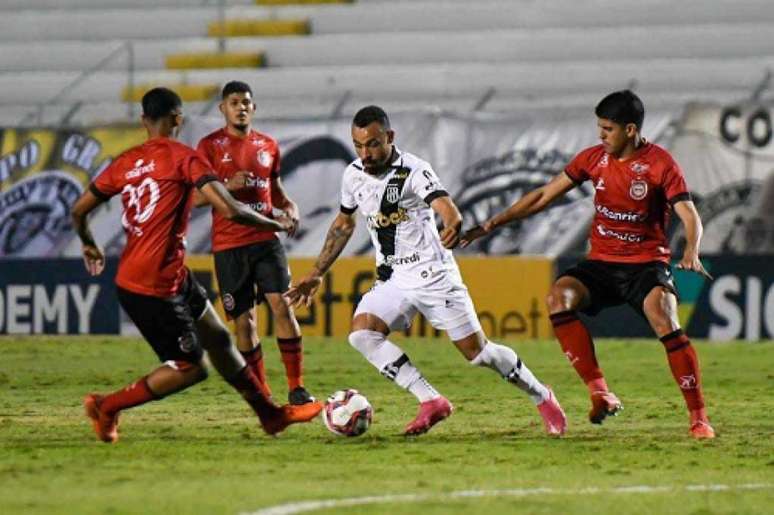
(398, 194)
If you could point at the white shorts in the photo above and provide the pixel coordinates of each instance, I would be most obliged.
(446, 304)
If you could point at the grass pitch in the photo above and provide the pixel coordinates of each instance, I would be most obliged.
(202, 451)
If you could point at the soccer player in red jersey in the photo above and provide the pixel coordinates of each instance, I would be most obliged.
(157, 291)
(250, 262)
(637, 186)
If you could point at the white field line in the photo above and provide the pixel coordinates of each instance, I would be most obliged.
(308, 506)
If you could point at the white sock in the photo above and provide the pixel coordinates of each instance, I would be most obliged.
(392, 362)
(504, 360)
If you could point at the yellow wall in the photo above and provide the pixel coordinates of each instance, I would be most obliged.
(508, 293)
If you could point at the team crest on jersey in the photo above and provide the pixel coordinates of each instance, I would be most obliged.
(264, 157)
(228, 302)
(638, 190)
(603, 161)
(639, 168)
(226, 158)
(392, 194)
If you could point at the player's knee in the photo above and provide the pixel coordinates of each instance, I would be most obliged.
(365, 341)
(560, 299)
(554, 300)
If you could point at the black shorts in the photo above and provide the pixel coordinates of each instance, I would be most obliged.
(246, 273)
(168, 324)
(612, 284)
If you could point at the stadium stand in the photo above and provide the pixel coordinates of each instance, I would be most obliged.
(79, 61)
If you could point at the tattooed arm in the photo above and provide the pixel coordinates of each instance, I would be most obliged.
(338, 235)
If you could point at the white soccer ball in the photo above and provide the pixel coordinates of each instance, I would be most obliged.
(347, 413)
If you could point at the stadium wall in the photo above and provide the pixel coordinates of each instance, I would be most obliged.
(57, 297)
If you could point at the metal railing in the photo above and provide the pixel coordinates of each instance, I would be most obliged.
(125, 48)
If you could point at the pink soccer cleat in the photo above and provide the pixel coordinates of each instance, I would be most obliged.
(430, 413)
(603, 404)
(554, 419)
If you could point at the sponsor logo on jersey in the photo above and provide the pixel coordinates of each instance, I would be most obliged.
(260, 207)
(264, 157)
(623, 236)
(257, 182)
(393, 193)
(140, 168)
(380, 220)
(639, 168)
(638, 190)
(391, 260)
(619, 216)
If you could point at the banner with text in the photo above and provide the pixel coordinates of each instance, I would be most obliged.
(508, 293)
(57, 297)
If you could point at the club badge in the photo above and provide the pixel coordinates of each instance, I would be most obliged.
(638, 190)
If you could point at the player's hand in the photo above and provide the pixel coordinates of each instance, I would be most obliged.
(475, 233)
(288, 225)
(93, 259)
(292, 215)
(303, 292)
(691, 262)
(241, 179)
(450, 236)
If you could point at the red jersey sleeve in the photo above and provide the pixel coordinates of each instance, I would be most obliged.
(675, 188)
(105, 185)
(275, 167)
(577, 169)
(197, 169)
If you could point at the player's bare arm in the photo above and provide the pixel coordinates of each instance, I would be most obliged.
(93, 258)
(687, 213)
(281, 200)
(222, 201)
(533, 202)
(338, 235)
(238, 181)
(451, 218)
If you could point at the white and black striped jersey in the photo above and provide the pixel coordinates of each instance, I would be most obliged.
(396, 205)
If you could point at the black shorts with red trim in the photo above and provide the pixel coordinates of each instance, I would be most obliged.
(169, 324)
(246, 273)
(612, 284)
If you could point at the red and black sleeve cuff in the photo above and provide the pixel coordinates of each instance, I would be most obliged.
(102, 196)
(680, 197)
(573, 179)
(204, 179)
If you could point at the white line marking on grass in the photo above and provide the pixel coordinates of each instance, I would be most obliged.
(322, 504)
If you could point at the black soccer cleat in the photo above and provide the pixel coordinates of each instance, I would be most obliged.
(298, 396)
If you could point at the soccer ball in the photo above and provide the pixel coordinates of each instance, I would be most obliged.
(347, 413)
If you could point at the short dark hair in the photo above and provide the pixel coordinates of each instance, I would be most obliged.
(370, 114)
(235, 86)
(622, 107)
(159, 102)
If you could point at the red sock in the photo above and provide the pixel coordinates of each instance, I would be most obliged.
(579, 348)
(685, 368)
(133, 395)
(254, 359)
(293, 358)
(248, 386)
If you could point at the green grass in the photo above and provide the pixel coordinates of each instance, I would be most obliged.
(202, 451)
